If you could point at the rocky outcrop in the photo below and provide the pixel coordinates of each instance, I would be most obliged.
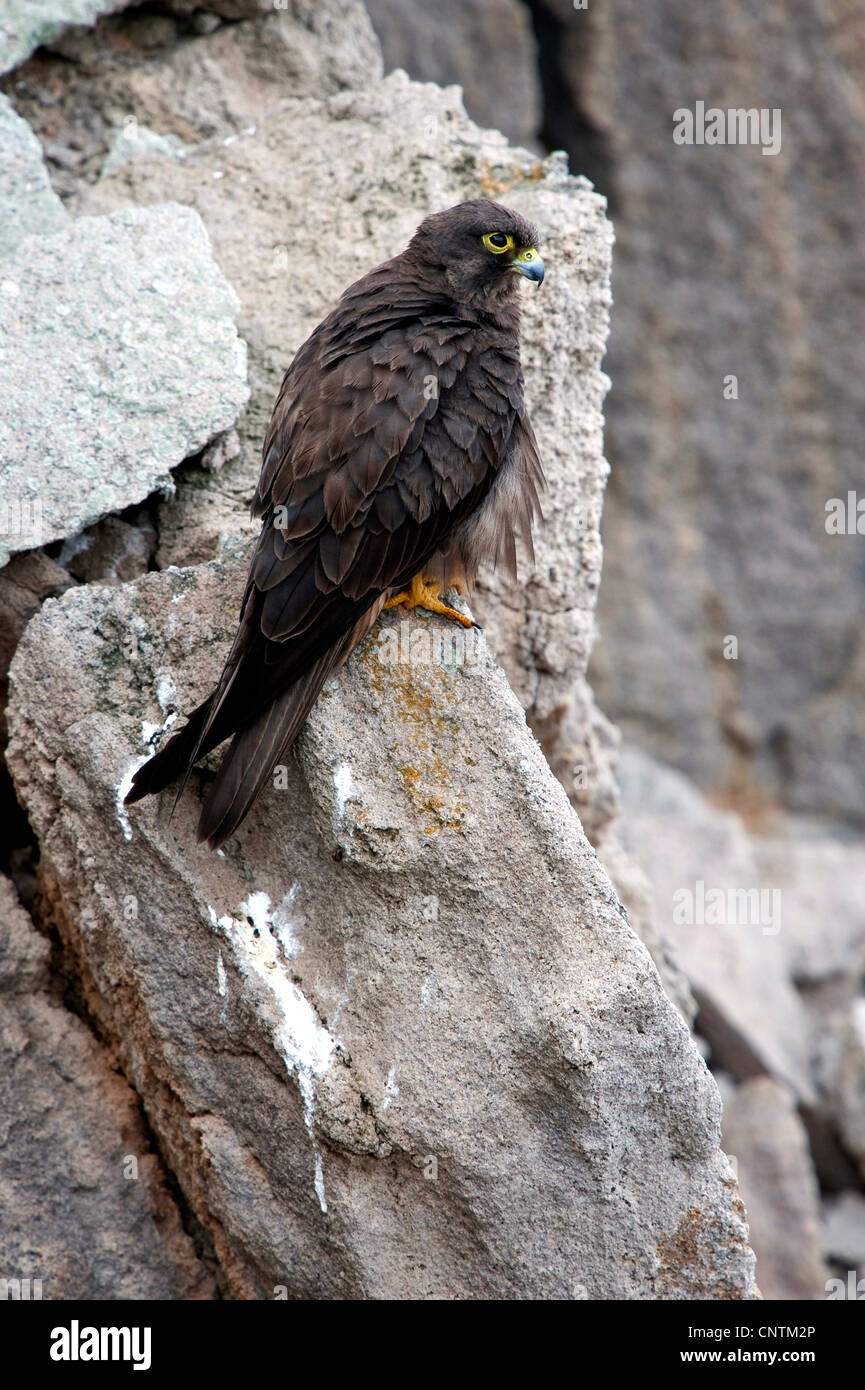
(383, 1057)
(312, 1019)
(140, 77)
(768, 933)
(25, 24)
(87, 1213)
(723, 921)
(738, 411)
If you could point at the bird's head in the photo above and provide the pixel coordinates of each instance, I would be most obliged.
(483, 249)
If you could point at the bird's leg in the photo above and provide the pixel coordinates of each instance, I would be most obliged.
(428, 596)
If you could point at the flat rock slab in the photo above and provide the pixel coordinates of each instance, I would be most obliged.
(119, 358)
(397, 1040)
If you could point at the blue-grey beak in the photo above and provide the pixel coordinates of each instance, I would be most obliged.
(529, 263)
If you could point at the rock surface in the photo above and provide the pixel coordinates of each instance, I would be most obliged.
(730, 946)
(764, 1134)
(146, 367)
(270, 210)
(313, 1018)
(85, 1208)
(97, 89)
(849, 1087)
(25, 24)
(823, 901)
(843, 1231)
(715, 521)
(28, 205)
(486, 46)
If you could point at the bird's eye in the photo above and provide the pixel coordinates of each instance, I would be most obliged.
(497, 242)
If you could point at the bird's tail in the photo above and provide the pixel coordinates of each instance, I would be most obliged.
(254, 751)
(175, 758)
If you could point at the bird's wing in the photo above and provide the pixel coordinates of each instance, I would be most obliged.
(374, 454)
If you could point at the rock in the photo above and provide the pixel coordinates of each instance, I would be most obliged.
(25, 24)
(24, 583)
(733, 271)
(326, 158)
(763, 1132)
(111, 552)
(23, 952)
(635, 893)
(397, 1041)
(27, 203)
(849, 1083)
(823, 899)
(134, 139)
(725, 924)
(122, 78)
(487, 46)
(843, 1230)
(146, 367)
(86, 1210)
(829, 1005)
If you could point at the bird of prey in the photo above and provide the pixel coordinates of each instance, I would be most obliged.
(399, 459)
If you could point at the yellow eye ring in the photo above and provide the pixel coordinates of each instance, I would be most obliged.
(498, 242)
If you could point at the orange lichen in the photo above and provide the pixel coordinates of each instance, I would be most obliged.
(495, 180)
(431, 733)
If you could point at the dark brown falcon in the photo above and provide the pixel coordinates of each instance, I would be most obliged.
(399, 459)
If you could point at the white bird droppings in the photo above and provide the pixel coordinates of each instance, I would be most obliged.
(305, 1045)
(391, 1089)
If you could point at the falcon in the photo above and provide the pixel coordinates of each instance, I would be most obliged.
(398, 460)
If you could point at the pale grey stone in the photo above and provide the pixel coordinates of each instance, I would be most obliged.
(134, 139)
(486, 46)
(843, 1229)
(766, 1137)
(28, 205)
(137, 323)
(733, 954)
(26, 24)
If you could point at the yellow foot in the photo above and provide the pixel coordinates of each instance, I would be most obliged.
(423, 595)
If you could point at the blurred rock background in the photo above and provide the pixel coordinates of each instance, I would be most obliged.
(736, 356)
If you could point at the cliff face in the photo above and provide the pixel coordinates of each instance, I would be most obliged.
(398, 1040)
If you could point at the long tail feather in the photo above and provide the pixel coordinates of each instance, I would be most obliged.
(173, 759)
(254, 751)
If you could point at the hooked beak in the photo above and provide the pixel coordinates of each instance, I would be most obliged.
(529, 263)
